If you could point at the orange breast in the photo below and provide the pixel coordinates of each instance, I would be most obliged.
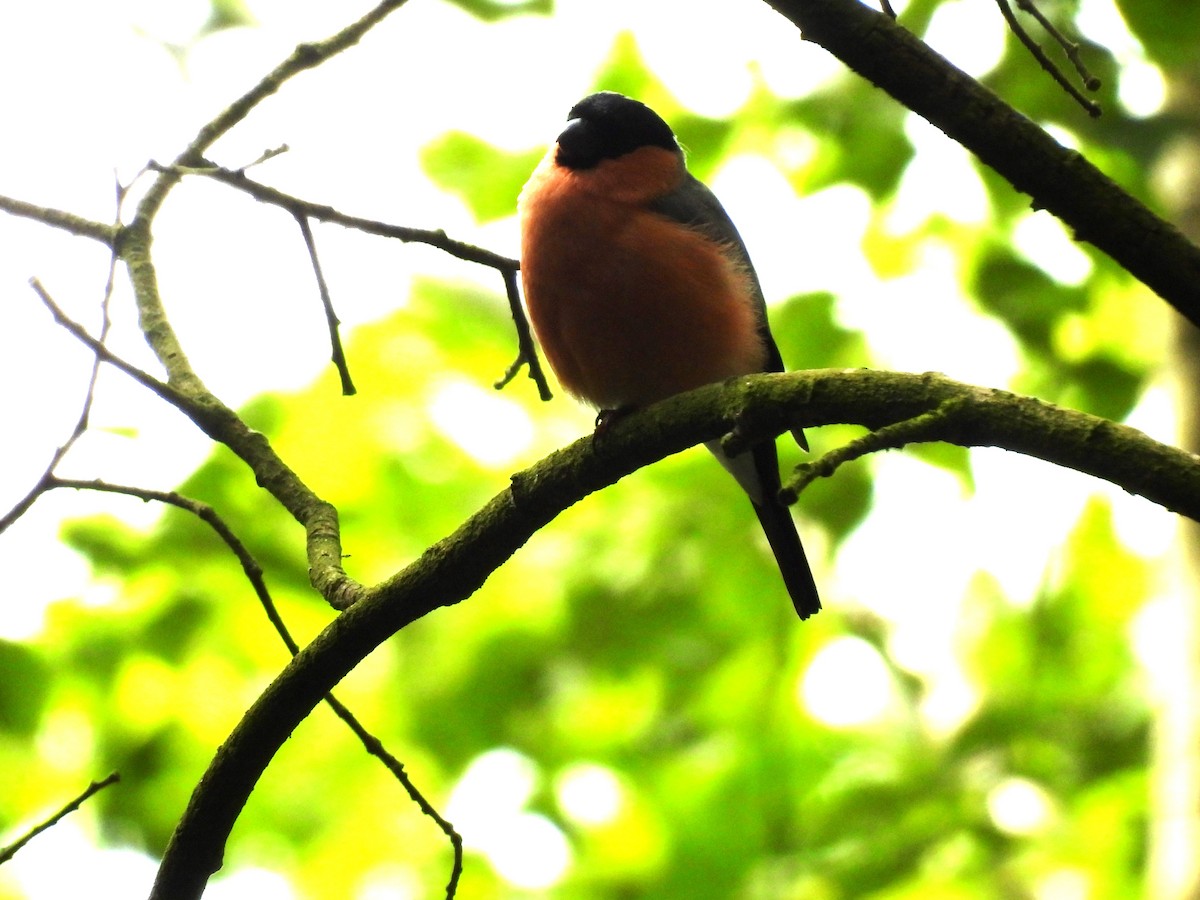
(628, 306)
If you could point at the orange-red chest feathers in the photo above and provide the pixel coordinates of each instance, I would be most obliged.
(630, 306)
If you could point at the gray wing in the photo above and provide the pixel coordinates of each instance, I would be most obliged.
(694, 205)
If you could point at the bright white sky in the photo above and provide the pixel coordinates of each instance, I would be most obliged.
(91, 90)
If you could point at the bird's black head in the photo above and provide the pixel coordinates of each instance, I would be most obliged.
(608, 125)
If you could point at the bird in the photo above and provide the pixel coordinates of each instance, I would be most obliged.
(638, 288)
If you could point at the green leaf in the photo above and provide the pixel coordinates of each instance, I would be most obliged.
(1169, 31)
(860, 138)
(493, 10)
(24, 686)
(809, 336)
(951, 457)
(487, 179)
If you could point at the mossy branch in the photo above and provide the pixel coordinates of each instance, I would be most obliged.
(743, 410)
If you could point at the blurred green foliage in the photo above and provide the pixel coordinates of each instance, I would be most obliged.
(486, 179)
(643, 636)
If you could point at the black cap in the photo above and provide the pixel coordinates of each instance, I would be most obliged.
(609, 125)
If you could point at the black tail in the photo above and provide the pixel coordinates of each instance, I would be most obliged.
(785, 543)
(777, 524)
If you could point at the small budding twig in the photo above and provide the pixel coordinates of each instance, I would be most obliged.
(1070, 48)
(1090, 81)
(526, 351)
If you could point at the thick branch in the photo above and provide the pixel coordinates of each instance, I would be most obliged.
(456, 567)
(1059, 180)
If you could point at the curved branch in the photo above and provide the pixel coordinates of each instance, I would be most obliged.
(1059, 180)
(457, 566)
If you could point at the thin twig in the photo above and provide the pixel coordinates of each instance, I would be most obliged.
(928, 426)
(437, 238)
(254, 574)
(160, 388)
(886, 6)
(1092, 108)
(1070, 48)
(95, 787)
(526, 350)
(338, 355)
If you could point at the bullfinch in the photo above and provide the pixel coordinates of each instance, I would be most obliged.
(639, 287)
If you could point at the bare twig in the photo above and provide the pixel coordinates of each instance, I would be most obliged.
(928, 426)
(81, 423)
(1092, 108)
(324, 213)
(103, 354)
(526, 350)
(223, 425)
(338, 355)
(95, 787)
(1070, 48)
(266, 155)
(886, 6)
(134, 246)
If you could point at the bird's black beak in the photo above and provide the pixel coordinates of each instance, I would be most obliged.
(578, 145)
